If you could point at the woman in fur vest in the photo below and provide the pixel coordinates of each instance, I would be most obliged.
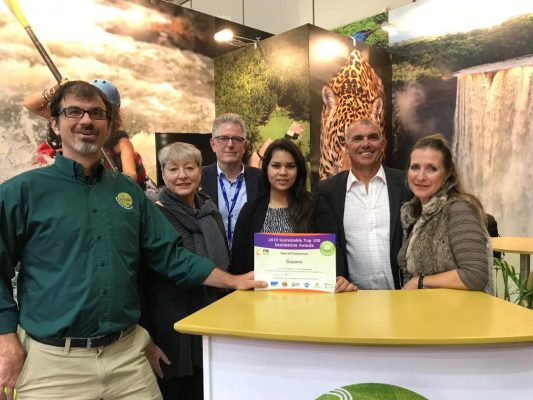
(447, 244)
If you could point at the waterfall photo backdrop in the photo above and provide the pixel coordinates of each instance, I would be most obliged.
(466, 70)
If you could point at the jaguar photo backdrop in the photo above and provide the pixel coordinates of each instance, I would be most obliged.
(307, 84)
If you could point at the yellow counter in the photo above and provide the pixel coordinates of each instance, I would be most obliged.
(378, 317)
(523, 245)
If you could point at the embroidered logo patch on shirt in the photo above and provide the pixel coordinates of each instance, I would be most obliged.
(124, 200)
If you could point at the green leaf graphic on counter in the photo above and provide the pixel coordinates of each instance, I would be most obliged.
(371, 391)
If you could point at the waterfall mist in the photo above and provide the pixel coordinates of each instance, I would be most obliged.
(493, 144)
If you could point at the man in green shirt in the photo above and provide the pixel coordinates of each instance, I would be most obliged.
(81, 233)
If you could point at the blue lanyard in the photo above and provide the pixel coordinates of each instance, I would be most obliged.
(233, 201)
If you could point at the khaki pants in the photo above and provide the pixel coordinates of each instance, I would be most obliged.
(115, 372)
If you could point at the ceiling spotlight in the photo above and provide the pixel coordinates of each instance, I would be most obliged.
(227, 36)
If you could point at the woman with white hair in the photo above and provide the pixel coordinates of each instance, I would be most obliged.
(199, 223)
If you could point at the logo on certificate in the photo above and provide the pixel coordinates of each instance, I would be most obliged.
(327, 248)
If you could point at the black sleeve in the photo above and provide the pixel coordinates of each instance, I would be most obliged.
(242, 243)
(492, 226)
(324, 221)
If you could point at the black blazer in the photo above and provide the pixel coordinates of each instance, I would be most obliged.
(334, 191)
(251, 220)
(209, 182)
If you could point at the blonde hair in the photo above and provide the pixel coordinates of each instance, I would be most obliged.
(179, 151)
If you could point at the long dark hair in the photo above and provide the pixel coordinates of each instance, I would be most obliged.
(301, 203)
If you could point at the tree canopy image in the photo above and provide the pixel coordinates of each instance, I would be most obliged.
(266, 82)
(446, 54)
(244, 85)
(377, 37)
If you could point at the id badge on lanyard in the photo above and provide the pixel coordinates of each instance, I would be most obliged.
(230, 207)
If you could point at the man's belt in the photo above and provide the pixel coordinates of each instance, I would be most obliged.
(88, 343)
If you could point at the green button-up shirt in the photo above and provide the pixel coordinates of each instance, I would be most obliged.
(80, 241)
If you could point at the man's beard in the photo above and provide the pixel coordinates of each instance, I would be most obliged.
(82, 146)
(85, 148)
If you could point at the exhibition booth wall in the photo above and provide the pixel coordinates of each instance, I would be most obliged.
(469, 78)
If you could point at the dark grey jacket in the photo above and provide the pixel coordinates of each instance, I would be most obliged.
(209, 182)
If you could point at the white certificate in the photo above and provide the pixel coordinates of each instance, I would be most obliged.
(295, 261)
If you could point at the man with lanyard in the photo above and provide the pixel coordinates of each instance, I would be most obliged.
(81, 233)
(229, 183)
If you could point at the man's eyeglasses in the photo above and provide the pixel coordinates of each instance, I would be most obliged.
(78, 113)
(226, 139)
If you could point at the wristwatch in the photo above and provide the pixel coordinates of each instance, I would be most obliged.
(421, 281)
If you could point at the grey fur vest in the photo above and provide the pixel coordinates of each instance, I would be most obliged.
(427, 249)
